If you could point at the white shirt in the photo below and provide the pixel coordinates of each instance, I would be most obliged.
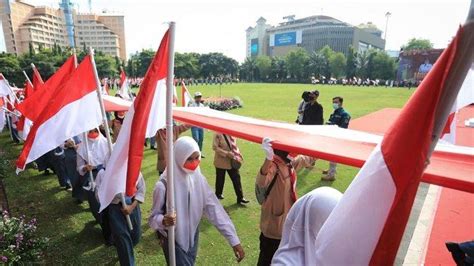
(193, 199)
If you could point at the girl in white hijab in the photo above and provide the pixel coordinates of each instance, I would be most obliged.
(92, 162)
(302, 225)
(193, 199)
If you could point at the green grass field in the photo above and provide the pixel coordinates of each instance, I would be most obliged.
(76, 239)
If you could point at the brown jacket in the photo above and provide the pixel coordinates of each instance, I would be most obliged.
(223, 153)
(278, 203)
(162, 147)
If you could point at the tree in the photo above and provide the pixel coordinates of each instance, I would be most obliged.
(186, 65)
(337, 64)
(418, 44)
(362, 61)
(248, 70)
(143, 61)
(264, 66)
(384, 66)
(316, 65)
(351, 63)
(296, 61)
(326, 52)
(10, 68)
(106, 65)
(278, 69)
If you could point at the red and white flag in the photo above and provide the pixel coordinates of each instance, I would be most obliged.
(465, 98)
(5, 89)
(37, 79)
(24, 124)
(73, 110)
(367, 225)
(146, 115)
(124, 86)
(34, 103)
(185, 95)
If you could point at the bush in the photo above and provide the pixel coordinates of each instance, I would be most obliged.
(19, 242)
(224, 104)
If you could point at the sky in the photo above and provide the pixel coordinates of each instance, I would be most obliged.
(219, 25)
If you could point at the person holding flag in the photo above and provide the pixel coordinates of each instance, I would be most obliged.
(92, 159)
(275, 189)
(194, 198)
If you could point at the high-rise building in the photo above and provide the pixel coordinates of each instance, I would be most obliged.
(25, 26)
(311, 33)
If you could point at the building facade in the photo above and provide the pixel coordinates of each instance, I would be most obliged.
(312, 34)
(25, 25)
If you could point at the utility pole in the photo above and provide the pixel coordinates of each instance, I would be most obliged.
(387, 15)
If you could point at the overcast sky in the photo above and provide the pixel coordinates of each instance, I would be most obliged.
(219, 25)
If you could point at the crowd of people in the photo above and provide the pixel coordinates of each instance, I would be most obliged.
(79, 163)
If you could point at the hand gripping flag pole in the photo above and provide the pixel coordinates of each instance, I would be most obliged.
(106, 127)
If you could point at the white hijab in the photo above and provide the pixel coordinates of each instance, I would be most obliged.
(98, 150)
(302, 225)
(188, 215)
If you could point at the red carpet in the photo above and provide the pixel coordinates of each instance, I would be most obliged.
(454, 219)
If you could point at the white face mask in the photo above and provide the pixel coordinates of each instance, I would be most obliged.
(335, 106)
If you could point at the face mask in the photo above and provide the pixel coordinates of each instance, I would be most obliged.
(93, 135)
(191, 165)
(335, 106)
(121, 115)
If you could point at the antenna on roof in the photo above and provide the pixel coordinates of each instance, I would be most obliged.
(289, 18)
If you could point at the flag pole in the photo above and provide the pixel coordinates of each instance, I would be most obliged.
(91, 186)
(27, 78)
(106, 126)
(462, 62)
(169, 143)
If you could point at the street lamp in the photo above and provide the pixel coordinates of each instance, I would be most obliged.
(387, 15)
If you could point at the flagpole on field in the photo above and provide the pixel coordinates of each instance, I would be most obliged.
(27, 78)
(460, 67)
(106, 126)
(169, 143)
(86, 141)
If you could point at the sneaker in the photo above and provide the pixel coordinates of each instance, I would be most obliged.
(243, 201)
(202, 156)
(68, 188)
(328, 177)
(220, 197)
(325, 172)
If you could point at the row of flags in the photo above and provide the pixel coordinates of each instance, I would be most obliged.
(366, 227)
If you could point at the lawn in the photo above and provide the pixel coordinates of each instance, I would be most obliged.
(76, 239)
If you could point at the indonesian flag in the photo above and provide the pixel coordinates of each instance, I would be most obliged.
(367, 225)
(185, 95)
(37, 79)
(24, 124)
(34, 104)
(5, 89)
(74, 109)
(123, 86)
(145, 117)
(465, 98)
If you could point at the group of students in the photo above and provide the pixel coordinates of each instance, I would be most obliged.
(288, 226)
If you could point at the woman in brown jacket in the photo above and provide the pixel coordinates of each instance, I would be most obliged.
(226, 150)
